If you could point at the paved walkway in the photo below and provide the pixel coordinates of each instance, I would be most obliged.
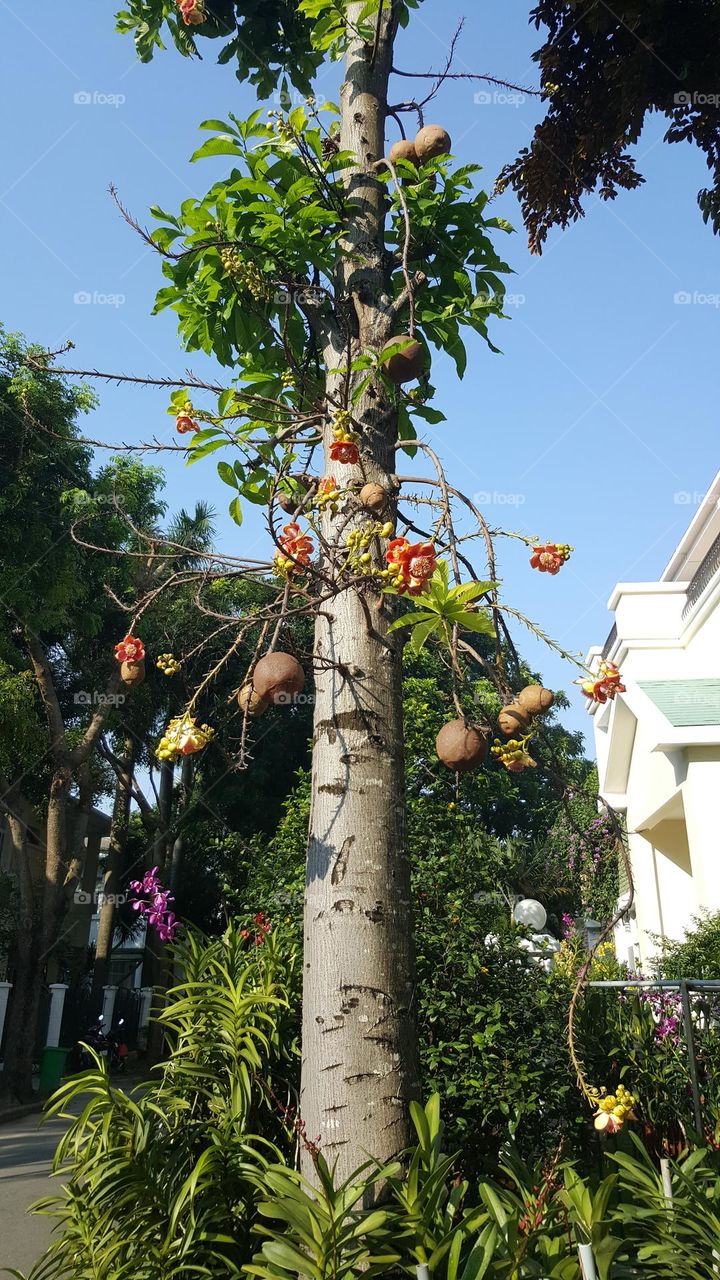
(26, 1151)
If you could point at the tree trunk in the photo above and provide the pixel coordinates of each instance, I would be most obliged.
(113, 867)
(28, 975)
(155, 963)
(359, 1043)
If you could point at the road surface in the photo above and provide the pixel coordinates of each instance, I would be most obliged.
(26, 1152)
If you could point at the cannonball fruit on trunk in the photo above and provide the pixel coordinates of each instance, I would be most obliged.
(432, 141)
(535, 700)
(403, 150)
(461, 746)
(291, 503)
(250, 701)
(279, 678)
(405, 365)
(374, 497)
(513, 719)
(132, 672)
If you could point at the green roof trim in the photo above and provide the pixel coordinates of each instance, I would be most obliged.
(685, 702)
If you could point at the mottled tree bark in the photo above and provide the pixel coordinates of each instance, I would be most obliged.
(359, 1043)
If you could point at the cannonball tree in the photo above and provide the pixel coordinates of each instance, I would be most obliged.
(323, 273)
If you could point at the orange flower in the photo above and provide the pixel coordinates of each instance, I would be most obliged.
(344, 451)
(184, 423)
(130, 650)
(193, 12)
(414, 564)
(328, 484)
(295, 543)
(551, 557)
(607, 683)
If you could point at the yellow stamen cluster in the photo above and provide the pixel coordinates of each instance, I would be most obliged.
(183, 737)
(358, 541)
(288, 380)
(167, 664)
(513, 754)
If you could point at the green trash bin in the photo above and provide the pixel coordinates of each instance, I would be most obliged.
(52, 1065)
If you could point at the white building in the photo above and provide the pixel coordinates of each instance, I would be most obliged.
(658, 744)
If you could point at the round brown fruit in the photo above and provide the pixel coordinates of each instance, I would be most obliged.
(250, 701)
(461, 746)
(403, 150)
(132, 672)
(432, 141)
(513, 719)
(278, 677)
(291, 503)
(374, 497)
(405, 365)
(535, 700)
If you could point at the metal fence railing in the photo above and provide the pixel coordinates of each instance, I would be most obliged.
(697, 1008)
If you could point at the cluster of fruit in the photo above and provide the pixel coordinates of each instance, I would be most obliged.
(613, 1109)
(246, 274)
(280, 125)
(166, 663)
(430, 141)
(183, 737)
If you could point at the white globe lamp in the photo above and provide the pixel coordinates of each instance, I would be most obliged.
(530, 912)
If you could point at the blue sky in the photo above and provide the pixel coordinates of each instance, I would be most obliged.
(597, 424)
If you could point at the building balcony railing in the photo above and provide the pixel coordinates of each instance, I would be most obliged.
(703, 576)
